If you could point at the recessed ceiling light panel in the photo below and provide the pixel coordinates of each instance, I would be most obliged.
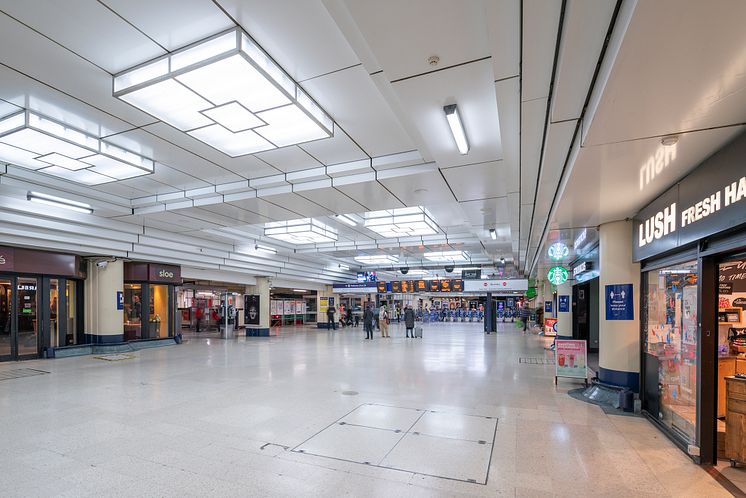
(404, 222)
(377, 259)
(228, 93)
(33, 141)
(302, 231)
(447, 256)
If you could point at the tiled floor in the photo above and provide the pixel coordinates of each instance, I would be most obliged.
(195, 420)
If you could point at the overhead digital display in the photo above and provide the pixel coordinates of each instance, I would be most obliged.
(445, 286)
(457, 285)
(422, 286)
(382, 287)
(396, 286)
(434, 285)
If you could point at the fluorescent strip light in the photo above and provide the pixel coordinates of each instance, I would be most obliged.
(51, 200)
(266, 249)
(457, 128)
(228, 93)
(493, 233)
(302, 291)
(446, 256)
(344, 219)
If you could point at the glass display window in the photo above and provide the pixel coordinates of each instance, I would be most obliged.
(132, 311)
(671, 328)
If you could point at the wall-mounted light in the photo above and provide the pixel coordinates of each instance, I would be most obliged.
(51, 200)
(457, 128)
(493, 234)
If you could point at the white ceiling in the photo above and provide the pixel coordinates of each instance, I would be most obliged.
(521, 73)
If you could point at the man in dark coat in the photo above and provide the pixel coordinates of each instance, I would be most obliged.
(409, 320)
(368, 323)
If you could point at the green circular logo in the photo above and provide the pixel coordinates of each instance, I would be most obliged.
(557, 275)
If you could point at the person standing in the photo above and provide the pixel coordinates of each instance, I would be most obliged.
(368, 323)
(409, 320)
(524, 315)
(330, 323)
(383, 320)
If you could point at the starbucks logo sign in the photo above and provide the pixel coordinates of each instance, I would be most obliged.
(557, 275)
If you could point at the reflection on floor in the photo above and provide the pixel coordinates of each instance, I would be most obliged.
(216, 417)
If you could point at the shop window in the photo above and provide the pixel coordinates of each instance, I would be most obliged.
(159, 312)
(72, 316)
(54, 309)
(671, 338)
(6, 316)
(132, 312)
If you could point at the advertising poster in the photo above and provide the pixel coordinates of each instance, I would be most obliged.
(564, 304)
(571, 359)
(547, 306)
(619, 304)
(550, 327)
(323, 305)
(289, 308)
(251, 309)
(689, 321)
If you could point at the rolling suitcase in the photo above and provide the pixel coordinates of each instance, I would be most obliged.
(418, 332)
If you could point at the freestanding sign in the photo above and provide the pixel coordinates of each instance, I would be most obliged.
(619, 303)
(571, 361)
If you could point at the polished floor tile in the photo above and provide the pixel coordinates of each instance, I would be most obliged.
(213, 417)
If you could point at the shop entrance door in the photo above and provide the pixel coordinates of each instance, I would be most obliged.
(28, 319)
(6, 318)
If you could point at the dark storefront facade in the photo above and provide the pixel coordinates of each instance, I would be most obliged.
(151, 283)
(689, 241)
(41, 302)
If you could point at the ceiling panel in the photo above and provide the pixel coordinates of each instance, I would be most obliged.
(238, 214)
(117, 44)
(407, 54)
(264, 208)
(503, 19)
(532, 131)
(471, 87)
(584, 30)
(289, 159)
(333, 200)
(692, 77)
(172, 23)
(615, 171)
(487, 213)
(298, 204)
(372, 195)
(299, 34)
(245, 166)
(338, 149)
(420, 190)
(352, 100)
(477, 181)
(49, 63)
(508, 97)
(540, 23)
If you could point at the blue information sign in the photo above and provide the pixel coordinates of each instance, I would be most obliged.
(619, 304)
(547, 306)
(120, 300)
(564, 304)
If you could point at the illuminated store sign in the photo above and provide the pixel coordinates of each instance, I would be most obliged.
(557, 275)
(558, 251)
(711, 199)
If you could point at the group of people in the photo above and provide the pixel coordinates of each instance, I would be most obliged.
(369, 320)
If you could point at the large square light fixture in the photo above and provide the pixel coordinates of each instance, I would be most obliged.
(447, 256)
(377, 259)
(404, 222)
(37, 142)
(303, 231)
(228, 93)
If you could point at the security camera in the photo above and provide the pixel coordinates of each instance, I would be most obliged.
(102, 264)
(449, 269)
(404, 270)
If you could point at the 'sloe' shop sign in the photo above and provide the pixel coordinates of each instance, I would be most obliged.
(709, 200)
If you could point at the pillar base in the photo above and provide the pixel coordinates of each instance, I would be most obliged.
(257, 331)
(630, 380)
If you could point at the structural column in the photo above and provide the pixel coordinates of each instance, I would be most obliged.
(261, 289)
(564, 318)
(618, 311)
(104, 322)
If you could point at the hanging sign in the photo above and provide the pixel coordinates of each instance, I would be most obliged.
(558, 251)
(619, 305)
(557, 275)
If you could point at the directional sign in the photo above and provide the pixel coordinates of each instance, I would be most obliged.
(619, 303)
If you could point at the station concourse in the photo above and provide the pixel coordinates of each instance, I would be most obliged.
(537, 208)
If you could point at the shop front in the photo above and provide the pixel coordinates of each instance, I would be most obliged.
(691, 243)
(41, 302)
(149, 300)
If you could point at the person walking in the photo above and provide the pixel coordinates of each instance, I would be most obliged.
(383, 320)
(368, 322)
(409, 320)
(524, 314)
(330, 323)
